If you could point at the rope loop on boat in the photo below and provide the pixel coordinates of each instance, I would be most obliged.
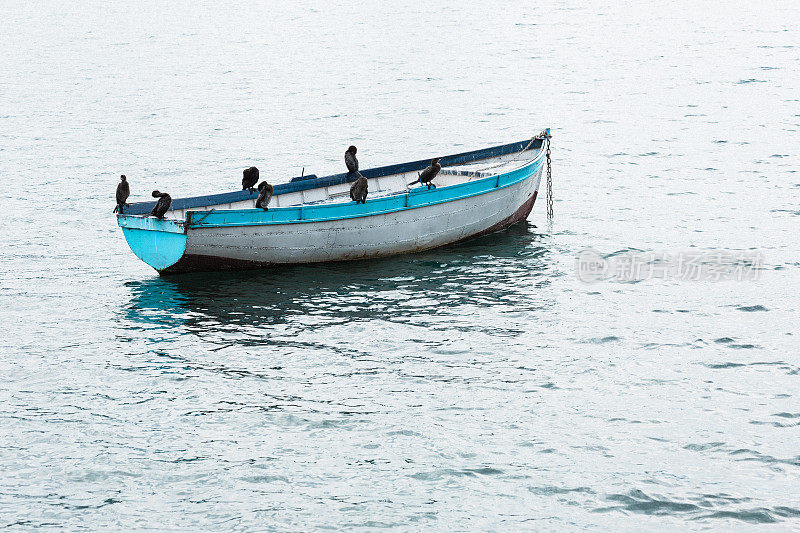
(515, 159)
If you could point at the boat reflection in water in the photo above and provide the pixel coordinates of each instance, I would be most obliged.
(498, 271)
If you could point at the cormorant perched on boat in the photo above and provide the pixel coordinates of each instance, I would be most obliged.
(162, 205)
(350, 160)
(264, 195)
(123, 191)
(427, 175)
(358, 190)
(249, 178)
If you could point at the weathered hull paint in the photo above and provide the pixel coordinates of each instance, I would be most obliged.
(210, 263)
(520, 215)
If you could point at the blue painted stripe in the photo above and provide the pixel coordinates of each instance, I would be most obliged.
(418, 197)
(141, 208)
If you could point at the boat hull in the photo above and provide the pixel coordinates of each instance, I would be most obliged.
(217, 249)
(382, 235)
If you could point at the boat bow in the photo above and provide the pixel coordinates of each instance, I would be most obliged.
(158, 242)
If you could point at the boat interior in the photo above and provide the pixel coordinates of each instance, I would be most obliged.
(383, 181)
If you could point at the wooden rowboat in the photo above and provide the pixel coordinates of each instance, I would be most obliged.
(312, 219)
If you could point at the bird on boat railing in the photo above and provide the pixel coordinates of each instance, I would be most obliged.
(123, 192)
(358, 190)
(264, 195)
(162, 205)
(350, 159)
(427, 175)
(249, 179)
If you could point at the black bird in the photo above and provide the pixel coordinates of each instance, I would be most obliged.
(162, 205)
(249, 178)
(123, 191)
(350, 160)
(427, 175)
(358, 190)
(264, 195)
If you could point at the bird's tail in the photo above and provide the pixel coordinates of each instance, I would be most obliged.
(418, 180)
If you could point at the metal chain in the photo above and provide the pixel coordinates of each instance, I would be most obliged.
(549, 183)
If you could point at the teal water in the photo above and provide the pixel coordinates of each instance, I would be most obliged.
(477, 387)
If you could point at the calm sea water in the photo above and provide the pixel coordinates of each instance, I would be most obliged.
(476, 387)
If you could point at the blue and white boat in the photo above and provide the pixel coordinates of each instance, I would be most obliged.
(312, 219)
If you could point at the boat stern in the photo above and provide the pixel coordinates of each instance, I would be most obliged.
(159, 243)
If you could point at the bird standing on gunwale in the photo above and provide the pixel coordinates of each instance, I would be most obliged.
(249, 178)
(358, 190)
(123, 192)
(427, 175)
(162, 205)
(264, 195)
(350, 160)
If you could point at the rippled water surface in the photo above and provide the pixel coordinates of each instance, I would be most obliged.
(477, 387)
